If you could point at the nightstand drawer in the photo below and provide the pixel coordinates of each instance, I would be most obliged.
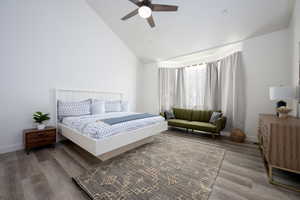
(32, 144)
(42, 134)
(39, 138)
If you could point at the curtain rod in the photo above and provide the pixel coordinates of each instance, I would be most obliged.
(207, 49)
(202, 63)
(194, 65)
(199, 64)
(203, 50)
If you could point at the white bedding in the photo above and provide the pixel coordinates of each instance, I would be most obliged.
(90, 125)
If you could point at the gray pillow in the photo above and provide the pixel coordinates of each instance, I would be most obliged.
(113, 106)
(75, 108)
(98, 107)
(169, 115)
(215, 116)
(124, 106)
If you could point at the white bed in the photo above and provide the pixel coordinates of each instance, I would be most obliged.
(111, 146)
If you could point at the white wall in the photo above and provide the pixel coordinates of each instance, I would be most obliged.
(55, 44)
(148, 89)
(295, 46)
(266, 62)
(295, 31)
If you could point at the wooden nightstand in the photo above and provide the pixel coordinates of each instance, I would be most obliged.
(39, 138)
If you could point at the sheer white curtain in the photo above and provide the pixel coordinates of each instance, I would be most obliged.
(195, 84)
(182, 87)
(181, 96)
(212, 87)
(167, 88)
(231, 81)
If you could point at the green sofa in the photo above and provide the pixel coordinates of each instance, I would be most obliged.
(197, 120)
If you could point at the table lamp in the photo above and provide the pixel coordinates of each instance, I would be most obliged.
(281, 94)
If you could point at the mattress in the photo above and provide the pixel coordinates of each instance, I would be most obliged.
(92, 126)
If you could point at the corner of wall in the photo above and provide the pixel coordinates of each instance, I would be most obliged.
(294, 36)
(110, 28)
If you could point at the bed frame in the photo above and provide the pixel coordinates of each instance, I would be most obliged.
(108, 147)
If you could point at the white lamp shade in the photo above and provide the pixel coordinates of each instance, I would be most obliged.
(282, 93)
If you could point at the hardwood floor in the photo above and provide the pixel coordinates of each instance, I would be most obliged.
(46, 173)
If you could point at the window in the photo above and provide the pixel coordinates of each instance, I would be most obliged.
(195, 84)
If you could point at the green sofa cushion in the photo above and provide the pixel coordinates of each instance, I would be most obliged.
(201, 126)
(205, 115)
(201, 115)
(184, 114)
(196, 115)
(179, 123)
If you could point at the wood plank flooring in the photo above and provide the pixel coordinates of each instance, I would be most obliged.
(46, 173)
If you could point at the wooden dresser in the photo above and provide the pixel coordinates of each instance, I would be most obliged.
(38, 138)
(279, 140)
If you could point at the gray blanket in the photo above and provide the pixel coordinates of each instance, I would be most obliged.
(117, 120)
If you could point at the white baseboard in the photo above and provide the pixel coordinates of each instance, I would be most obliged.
(11, 148)
(252, 139)
(16, 147)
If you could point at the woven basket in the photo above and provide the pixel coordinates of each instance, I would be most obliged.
(237, 135)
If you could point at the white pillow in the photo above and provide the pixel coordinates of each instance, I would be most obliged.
(113, 106)
(98, 107)
(68, 109)
(124, 106)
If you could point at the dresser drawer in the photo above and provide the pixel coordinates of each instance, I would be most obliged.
(280, 141)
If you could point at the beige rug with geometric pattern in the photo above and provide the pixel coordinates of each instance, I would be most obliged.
(169, 168)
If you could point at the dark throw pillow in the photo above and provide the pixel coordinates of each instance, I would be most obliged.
(169, 115)
(215, 116)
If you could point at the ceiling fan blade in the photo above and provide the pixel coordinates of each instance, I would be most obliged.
(133, 13)
(161, 8)
(151, 21)
(136, 2)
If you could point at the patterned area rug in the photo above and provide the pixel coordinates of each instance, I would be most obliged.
(169, 168)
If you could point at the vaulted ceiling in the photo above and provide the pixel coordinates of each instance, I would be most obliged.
(198, 24)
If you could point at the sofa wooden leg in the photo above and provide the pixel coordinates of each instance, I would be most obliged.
(213, 136)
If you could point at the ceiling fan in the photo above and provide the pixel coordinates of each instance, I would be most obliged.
(146, 7)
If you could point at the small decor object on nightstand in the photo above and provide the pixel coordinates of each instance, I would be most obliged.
(237, 135)
(39, 138)
(283, 112)
(40, 118)
(281, 94)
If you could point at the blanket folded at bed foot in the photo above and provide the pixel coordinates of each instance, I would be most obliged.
(117, 120)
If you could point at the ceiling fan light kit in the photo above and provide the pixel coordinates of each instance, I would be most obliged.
(146, 7)
(145, 12)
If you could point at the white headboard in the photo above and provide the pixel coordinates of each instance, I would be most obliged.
(79, 95)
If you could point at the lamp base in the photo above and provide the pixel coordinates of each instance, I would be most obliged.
(283, 115)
